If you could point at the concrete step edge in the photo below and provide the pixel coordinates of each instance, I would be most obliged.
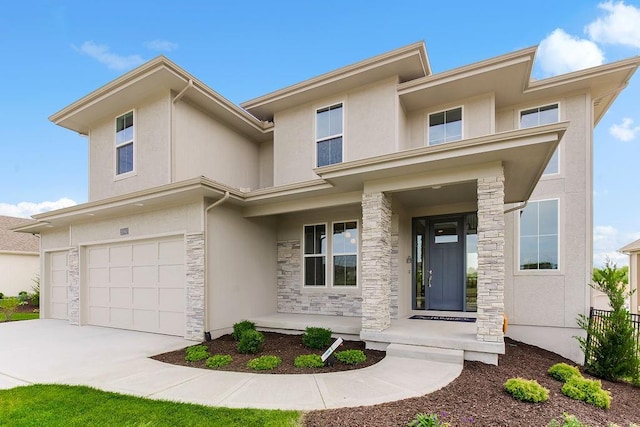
(434, 354)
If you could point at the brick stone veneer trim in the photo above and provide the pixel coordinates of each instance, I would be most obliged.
(73, 262)
(195, 292)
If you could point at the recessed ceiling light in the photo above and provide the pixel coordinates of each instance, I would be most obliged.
(437, 187)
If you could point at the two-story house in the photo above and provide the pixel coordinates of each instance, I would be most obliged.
(364, 196)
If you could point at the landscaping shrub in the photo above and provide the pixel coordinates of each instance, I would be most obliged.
(1, 295)
(427, 420)
(196, 353)
(526, 390)
(568, 420)
(23, 296)
(562, 372)
(250, 342)
(35, 296)
(264, 363)
(589, 391)
(218, 361)
(241, 327)
(8, 306)
(612, 352)
(351, 357)
(317, 338)
(308, 361)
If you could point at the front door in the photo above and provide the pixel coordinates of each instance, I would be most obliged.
(445, 264)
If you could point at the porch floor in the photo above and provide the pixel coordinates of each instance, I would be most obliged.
(415, 332)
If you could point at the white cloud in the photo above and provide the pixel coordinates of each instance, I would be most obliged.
(161, 45)
(624, 131)
(562, 53)
(112, 60)
(26, 209)
(606, 242)
(620, 26)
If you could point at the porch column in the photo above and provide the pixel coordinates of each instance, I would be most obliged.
(376, 262)
(490, 258)
(195, 291)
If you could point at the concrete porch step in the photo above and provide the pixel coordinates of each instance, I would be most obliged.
(434, 354)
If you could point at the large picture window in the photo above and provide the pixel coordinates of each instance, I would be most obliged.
(445, 126)
(542, 116)
(315, 255)
(329, 135)
(539, 236)
(124, 143)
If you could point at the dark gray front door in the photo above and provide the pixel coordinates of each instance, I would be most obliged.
(445, 264)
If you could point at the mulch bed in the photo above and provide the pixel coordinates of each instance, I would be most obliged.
(287, 347)
(476, 398)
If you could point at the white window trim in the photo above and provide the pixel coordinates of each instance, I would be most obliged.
(329, 258)
(132, 172)
(326, 255)
(357, 254)
(558, 149)
(427, 119)
(556, 272)
(315, 132)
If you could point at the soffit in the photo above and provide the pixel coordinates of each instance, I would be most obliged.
(408, 63)
(631, 247)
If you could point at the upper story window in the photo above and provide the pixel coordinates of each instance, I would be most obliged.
(329, 135)
(445, 126)
(542, 116)
(539, 236)
(124, 143)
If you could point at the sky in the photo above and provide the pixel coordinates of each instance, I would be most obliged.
(55, 52)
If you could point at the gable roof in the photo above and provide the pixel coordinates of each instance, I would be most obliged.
(631, 247)
(11, 241)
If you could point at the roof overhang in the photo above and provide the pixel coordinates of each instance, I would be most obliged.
(407, 63)
(630, 248)
(153, 77)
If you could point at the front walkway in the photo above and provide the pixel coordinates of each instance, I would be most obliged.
(52, 351)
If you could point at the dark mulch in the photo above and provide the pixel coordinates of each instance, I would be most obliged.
(287, 347)
(477, 395)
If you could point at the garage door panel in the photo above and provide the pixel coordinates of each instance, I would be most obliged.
(57, 282)
(59, 260)
(59, 293)
(98, 256)
(145, 287)
(59, 278)
(59, 310)
(171, 275)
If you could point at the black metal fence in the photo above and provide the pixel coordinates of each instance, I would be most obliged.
(598, 320)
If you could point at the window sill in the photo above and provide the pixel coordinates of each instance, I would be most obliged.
(125, 176)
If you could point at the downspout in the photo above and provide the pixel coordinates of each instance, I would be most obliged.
(522, 206)
(207, 333)
(171, 126)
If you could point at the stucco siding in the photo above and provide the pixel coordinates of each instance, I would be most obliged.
(151, 150)
(203, 146)
(266, 164)
(17, 272)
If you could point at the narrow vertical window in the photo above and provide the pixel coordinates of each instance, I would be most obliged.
(539, 236)
(345, 253)
(124, 143)
(542, 116)
(315, 255)
(445, 126)
(329, 135)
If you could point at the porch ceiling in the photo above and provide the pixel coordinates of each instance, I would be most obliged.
(441, 195)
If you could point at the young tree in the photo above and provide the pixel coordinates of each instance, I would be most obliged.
(612, 350)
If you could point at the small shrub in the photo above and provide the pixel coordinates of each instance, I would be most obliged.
(526, 390)
(250, 342)
(241, 327)
(588, 391)
(427, 420)
(8, 306)
(317, 338)
(218, 361)
(562, 372)
(35, 296)
(196, 353)
(1, 295)
(308, 361)
(351, 357)
(568, 420)
(264, 363)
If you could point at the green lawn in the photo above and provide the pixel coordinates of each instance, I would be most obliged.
(20, 316)
(60, 405)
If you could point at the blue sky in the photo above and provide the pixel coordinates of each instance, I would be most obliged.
(55, 52)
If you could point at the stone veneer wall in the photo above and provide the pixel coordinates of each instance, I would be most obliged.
(490, 259)
(395, 273)
(73, 260)
(376, 262)
(292, 298)
(195, 292)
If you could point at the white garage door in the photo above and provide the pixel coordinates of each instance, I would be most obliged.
(58, 284)
(138, 285)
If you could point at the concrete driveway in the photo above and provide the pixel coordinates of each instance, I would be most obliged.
(52, 351)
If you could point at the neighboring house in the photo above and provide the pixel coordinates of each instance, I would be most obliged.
(19, 257)
(633, 250)
(371, 193)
